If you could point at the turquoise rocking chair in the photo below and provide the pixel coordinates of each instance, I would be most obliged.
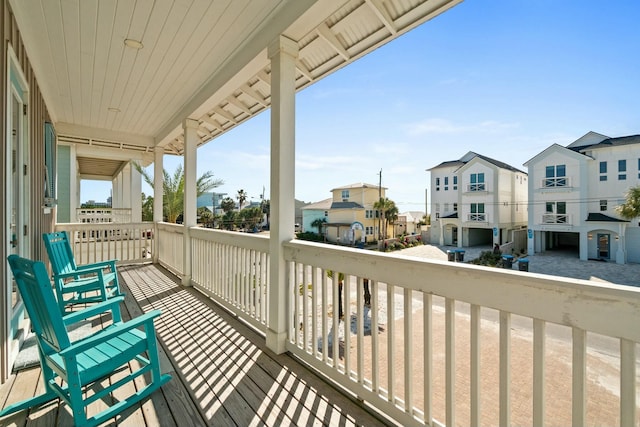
(82, 364)
(75, 284)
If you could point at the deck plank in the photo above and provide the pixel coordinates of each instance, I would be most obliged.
(255, 385)
(223, 374)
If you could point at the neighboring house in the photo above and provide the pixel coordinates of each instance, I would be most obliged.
(313, 211)
(477, 200)
(408, 223)
(352, 217)
(574, 190)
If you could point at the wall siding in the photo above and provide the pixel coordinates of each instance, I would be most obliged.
(38, 114)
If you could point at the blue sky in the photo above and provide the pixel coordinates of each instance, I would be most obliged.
(503, 78)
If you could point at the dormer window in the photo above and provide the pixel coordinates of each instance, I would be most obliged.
(345, 195)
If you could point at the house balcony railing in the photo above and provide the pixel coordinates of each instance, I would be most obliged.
(101, 215)
(404, 352)
(480, 186)
(477, 217)
(551, 218)
(562, 181)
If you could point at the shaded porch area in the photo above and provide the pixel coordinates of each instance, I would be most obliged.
(223, 375)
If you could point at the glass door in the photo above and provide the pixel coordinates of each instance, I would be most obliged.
(18, 192)
(603, 246)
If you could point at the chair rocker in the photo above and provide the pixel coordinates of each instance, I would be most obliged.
(83, 364)
(75, 284)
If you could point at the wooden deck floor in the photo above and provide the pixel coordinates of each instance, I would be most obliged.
(223, 375)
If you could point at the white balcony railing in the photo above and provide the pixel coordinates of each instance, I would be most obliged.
(551, 218)
(480, 186)
(102, 215)
(419, 341)
(477, 217)
(93, 242)
(555, 182)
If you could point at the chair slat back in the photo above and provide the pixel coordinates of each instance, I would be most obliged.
(59, 251)
(33, 282)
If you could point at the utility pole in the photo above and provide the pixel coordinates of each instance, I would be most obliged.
(380, 202)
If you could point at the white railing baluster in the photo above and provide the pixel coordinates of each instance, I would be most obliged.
(627, 383)
(360, 329)
(314, 311)
(474, 358)
(539, 346)
(324, 317)
(391, 317)
(505, 368)
(346, 323)
(450, 360)
(579, 377)
(427, 345)
(408, 351)
(335, 350)
(375, 342)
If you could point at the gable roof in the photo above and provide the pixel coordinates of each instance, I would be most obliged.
(609, 142)
(588, 138)
(321, 205)
(472, 155)
(346, 205)
(358, 185)
(602, 217)
(554, 148)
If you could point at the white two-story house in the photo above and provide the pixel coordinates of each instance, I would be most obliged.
(477, 200)
(574, 191)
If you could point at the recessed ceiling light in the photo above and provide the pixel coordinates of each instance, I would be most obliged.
(113, 110)
(134, 44)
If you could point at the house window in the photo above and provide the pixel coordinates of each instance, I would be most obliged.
(556, 213)
(477, 212)
(369, 231)
(446, 207)
(622, 167)
(326, 213)
(345, 195)
(455, 207)
(603, 167)
(555, 176)
(477, 182)
(603, 205)
(437, 184)
(603, 177)
(455, 179)
(437, 207)
(446, 183)
(369, 213)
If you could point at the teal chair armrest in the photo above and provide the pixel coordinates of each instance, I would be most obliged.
(102, 264)
(74, 274)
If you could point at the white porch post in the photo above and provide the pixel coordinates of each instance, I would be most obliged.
(158, 193)
(135, 194)
(283, 53)
(190, 127)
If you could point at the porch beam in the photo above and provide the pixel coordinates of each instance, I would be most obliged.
(190, 128)
(282, 53)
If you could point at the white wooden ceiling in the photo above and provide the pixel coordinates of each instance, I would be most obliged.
(202, 59)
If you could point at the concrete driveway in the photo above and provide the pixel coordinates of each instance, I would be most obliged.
(555, 263)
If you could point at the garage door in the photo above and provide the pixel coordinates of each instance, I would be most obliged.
(633, 244)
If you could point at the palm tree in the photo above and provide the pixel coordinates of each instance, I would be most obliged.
(630, 209)
(319, 222)
(388, 212)
(242, 197)
(173, 188)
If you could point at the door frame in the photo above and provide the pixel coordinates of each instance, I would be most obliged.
(608, 236)
(12, 323)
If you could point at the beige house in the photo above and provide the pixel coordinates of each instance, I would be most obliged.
(351, 217)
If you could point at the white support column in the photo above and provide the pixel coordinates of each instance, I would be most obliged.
(158, 194)
(74, 184)
(189, 127)
(283, 53)
(125, 187)
(136, 194)
(158, 181)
